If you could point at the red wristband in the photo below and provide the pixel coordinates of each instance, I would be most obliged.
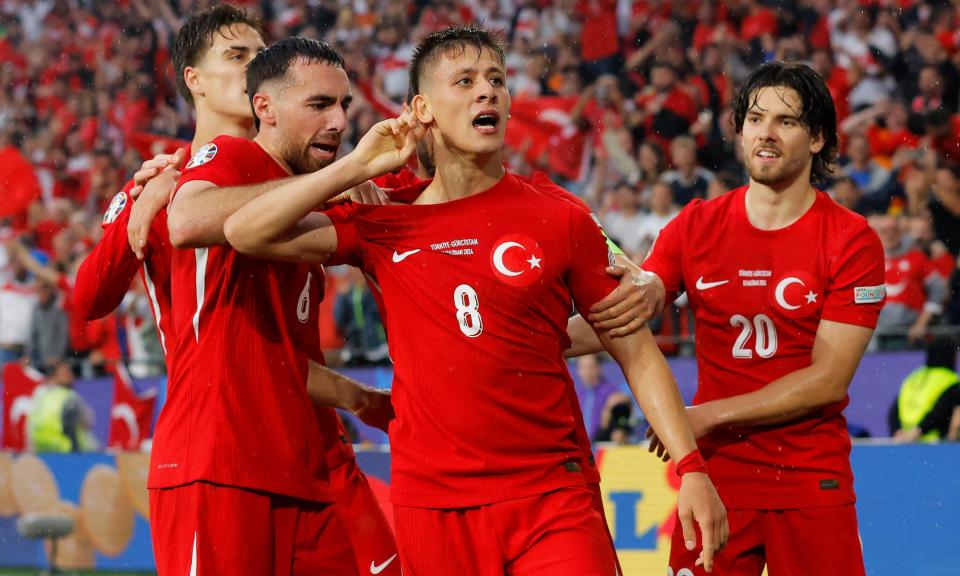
(692, 462)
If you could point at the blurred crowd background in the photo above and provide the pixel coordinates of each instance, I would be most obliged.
(626, 103)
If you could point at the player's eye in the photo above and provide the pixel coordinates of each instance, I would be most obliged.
(497, 81)
(465, 81)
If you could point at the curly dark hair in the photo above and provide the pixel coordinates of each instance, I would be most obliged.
(456, 39)
(195, 37)
(817, 113)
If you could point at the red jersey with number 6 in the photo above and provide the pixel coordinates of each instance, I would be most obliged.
(758, 297)
(237, 410)
(478, 292)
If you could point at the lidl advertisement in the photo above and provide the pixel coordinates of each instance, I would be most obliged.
(908, 507)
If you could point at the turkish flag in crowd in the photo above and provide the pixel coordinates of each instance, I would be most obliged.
(149, 145)
(131, 414)
(18, 385)
(542, 127)
(18, 184)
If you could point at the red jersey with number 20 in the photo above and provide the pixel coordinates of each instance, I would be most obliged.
(758, 297)
(478, 292)
(237, 410)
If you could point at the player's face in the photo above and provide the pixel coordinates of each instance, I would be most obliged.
(466, 94)
(777, 149)
(311, 114)
(222, 72)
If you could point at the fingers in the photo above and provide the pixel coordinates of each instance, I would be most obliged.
(707, 534)
(617, 271)
(723, 529)
(689, 532)
(630, 328)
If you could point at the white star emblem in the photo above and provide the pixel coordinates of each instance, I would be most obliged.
(534, 262)
(811, 297)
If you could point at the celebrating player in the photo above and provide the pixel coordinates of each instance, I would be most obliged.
(786, 286)
(212, 51)
(477, 275)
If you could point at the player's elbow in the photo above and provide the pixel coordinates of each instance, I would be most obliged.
(183, 232)
(239, 237)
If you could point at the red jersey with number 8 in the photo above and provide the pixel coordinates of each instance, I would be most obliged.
(478, 292)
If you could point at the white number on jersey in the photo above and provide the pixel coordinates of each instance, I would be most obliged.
(303, 304)
(765, 343)
(468, 313)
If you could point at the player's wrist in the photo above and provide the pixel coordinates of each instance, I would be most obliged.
(692, 463)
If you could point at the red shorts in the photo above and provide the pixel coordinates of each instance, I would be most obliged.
(205, 528)
(373, 542)
(821, 541)
(558, 533)
(598, 506)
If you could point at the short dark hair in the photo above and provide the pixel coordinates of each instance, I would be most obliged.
(457, 39)
(817, 113)
(196, 36)
(274, 62)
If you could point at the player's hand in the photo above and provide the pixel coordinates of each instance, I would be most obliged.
(375, 409)
(656, 446)
(366, 193)
(698, 502)
(389, 144)
(155, 197)
(154, 166)
(639, 297)
(700, 423)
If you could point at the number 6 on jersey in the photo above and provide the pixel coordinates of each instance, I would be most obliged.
(468, 313)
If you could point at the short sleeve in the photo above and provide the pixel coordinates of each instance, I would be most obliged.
(665, 256)
(348, 241)
(857, 289)
(217, 162)
(587, 261)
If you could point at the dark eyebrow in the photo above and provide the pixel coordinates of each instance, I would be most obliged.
(322, 98)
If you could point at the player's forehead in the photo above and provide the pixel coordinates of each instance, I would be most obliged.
(459, 58)
(775, 101)
(314, 77)
(236, 35)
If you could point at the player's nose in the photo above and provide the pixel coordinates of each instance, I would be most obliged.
(337, 120)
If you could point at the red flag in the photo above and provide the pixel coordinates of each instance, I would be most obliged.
(131, 415)
(18, 385)
(380, 103)
(149, 145)
(543, 128)
(18, 184)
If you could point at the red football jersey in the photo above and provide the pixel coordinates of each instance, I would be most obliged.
(237, 410)
(478, 292)
(905, 275)
(758, 297)
(104, 276)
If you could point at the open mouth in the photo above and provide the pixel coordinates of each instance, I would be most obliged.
(325, 147)
(486, 122)
(767, 154)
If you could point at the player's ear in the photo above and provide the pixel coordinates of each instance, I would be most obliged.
(263, 108)
(817, 143)
(192, 80)
(422, 109)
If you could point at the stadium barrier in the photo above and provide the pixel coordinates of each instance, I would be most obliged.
(908, 507)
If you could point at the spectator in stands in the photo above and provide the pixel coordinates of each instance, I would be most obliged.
(17, 301)
(944, 205)
(593, 392)
(920, 230)
(915, 290)
(49, 338)
(848, 194)
(929, 398)
(930, 87)
(664, 110)
(616, 422)
(662, 210)
(621, 217)
(688, 179)
(59, 420)
(358, 321)
(860, 167)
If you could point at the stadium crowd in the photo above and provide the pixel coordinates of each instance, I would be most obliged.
(627, 103)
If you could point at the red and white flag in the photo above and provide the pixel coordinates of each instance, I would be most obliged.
(130, 415)
(18, 385)
(543, 128)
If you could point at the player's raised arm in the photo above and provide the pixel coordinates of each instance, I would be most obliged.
(276, 224)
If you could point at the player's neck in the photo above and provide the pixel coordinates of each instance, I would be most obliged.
(770, 208)
(458, 177)
(211, 124)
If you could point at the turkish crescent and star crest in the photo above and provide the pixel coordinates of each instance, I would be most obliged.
(517, 260)
(796, 294)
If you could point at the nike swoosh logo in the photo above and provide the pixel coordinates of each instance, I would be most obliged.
(701, 285)
(374, 568)
(401, 257)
